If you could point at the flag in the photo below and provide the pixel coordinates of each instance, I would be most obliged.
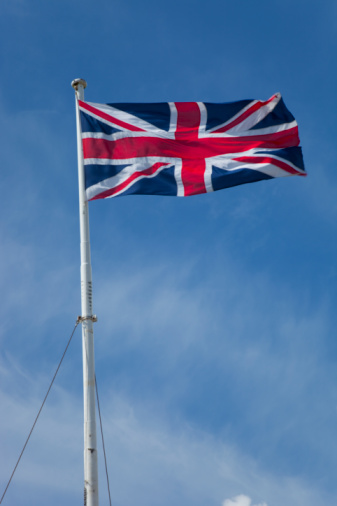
(186, 148)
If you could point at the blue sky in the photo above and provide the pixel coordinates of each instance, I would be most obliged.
(216, 345)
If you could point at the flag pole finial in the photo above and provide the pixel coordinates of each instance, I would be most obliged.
(79, 81)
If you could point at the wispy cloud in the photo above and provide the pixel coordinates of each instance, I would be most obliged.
(241, 500)
(149, 456)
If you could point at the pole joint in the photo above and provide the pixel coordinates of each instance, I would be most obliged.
(81, 319)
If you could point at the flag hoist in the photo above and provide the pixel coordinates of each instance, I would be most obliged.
(87, 319)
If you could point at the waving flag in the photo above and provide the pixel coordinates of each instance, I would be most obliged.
(186, 148)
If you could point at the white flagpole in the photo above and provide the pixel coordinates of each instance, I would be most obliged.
(87, 319)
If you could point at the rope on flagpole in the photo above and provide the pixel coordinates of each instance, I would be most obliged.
(103, 445)
(37, 416)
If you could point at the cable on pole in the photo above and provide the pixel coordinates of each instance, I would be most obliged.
(103, 445)
(37, 416)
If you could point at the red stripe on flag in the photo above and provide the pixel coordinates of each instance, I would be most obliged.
(135, 147)
(255, 107)
(188, 120)
(193, 177)
(122, 186)
(107, 117)
(187, 132)
(270, 161)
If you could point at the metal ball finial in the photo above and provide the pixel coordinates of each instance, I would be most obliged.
(78, 81)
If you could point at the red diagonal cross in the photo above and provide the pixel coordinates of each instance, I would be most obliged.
(187, 146)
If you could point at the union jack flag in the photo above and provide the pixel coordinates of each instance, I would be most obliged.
(186, 148)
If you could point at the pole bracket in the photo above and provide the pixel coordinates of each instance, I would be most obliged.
(81, 319)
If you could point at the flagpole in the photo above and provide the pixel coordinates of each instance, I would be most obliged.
(87, 319)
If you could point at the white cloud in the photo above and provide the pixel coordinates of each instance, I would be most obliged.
(241, 500)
